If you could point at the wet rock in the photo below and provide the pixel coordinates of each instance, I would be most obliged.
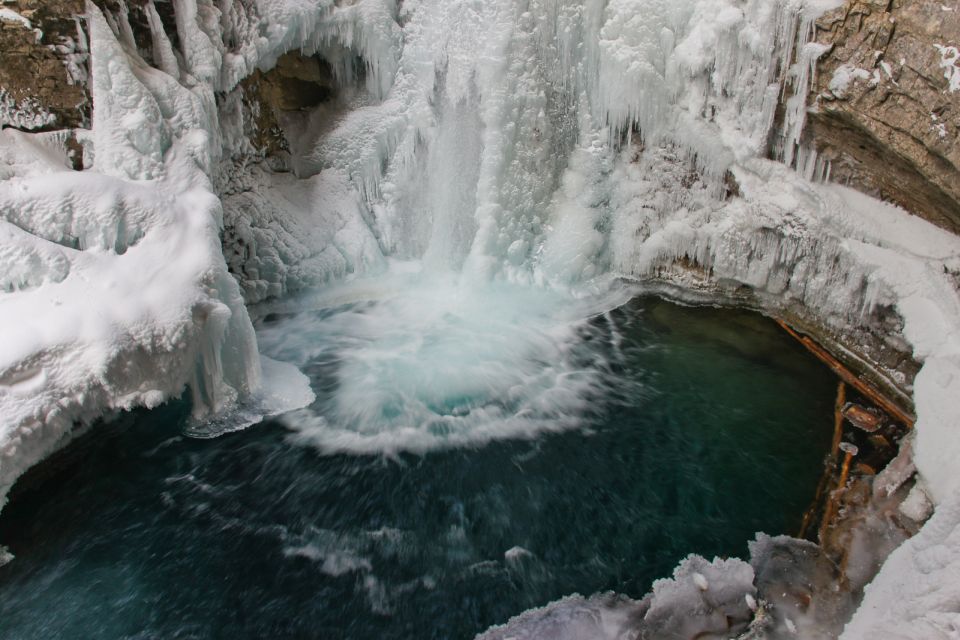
(861, 417)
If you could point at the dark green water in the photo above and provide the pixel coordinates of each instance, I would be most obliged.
(138, 532)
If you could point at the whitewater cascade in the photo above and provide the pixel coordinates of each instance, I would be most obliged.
(477, 150)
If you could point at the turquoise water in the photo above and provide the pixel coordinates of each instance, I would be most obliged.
(429, 495)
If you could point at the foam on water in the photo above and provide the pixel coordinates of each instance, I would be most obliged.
(416, 361)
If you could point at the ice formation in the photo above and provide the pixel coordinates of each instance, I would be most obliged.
(949, 56)
(558, 144)
(786, 590)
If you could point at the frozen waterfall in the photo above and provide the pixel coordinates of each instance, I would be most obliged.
(489, 175)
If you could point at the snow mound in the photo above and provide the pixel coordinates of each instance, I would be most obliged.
(113, 278)
(917, 592)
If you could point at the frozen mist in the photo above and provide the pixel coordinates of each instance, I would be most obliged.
(493, 173)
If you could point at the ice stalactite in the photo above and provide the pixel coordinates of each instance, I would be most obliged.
(130, 134)
(163, 55)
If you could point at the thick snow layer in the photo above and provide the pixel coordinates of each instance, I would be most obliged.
(132, 302)
(321, 236)
(917, 594)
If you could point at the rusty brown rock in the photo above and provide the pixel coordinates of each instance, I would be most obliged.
(861, 417)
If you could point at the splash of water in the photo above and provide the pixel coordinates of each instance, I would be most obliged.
(414, 361)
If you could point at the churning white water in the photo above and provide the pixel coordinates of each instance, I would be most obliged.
(414, 361)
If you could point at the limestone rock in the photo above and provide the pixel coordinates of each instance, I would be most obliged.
(43, 66)
(886, 105)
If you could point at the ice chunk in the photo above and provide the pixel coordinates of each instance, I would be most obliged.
(702, 598)
(602, 617)
(917, 505)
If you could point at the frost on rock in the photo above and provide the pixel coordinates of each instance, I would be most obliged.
(844, 76)
(949, 57)
(26, 114)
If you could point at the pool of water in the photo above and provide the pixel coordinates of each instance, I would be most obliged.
(428, 495)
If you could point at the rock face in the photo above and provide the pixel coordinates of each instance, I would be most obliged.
(886, 104)
(43, 65)
(297, 82)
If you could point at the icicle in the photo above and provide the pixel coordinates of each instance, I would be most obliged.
(163, 54)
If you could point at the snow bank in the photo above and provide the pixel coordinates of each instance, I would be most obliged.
(603, 617)
(113, 279)
(917, 592)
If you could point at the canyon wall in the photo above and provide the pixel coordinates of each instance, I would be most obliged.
(43, 65)
(886, 103)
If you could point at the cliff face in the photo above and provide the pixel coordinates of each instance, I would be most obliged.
(43, 65)
(886, 103)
